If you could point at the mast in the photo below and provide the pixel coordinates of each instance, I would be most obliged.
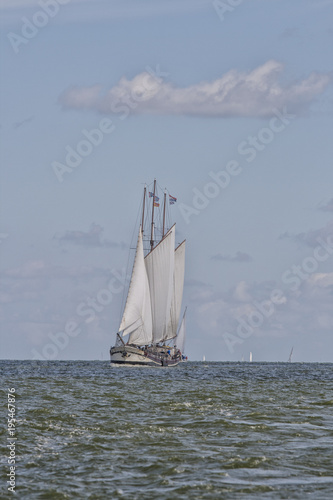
(143, 207)
(152, 219)
(164, 213)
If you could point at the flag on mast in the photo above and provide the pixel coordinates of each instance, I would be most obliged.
(172, 200)
(151, 195)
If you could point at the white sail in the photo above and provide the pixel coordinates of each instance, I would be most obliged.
(182, 334)
(290, 355)
(178, 286)
(160, 270)
(137, 319)
(250, 357)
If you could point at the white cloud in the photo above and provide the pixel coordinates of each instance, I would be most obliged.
(125, 6)
(303, 318)
(255, 93)
(38, 299)
(327, 207)
(310, 238)
(76, 11)
(321, 279)
(25, 4)
(34, 277)
(241, 292)
(92, 238)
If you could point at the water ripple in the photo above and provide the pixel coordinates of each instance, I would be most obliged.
(199, 431)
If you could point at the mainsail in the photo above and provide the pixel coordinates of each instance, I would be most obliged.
(160, 271)
(137, 317)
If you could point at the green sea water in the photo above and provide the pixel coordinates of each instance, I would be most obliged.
(86, 430)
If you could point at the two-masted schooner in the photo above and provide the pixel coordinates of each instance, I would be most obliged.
(148, 332)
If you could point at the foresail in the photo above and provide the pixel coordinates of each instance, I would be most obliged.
(178, 286)
(137, 318)
(160, 269)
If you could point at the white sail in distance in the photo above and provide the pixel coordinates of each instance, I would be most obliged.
(137, 317)
(160, 270)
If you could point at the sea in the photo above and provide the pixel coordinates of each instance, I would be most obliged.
(201, 430)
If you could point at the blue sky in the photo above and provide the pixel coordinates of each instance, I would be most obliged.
(187, 92)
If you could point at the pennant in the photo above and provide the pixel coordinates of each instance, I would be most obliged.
(172, 200)
(156, 204)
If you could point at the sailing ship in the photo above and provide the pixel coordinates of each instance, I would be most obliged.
(290, 355)
(148, 333)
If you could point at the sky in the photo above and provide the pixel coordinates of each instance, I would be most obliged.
(229, 105)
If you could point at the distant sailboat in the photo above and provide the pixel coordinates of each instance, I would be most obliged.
(203, 358)
(250, 357)
(290, 355)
